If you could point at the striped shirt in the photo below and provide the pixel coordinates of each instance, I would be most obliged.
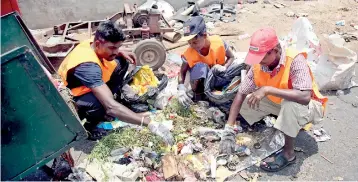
(299, 74)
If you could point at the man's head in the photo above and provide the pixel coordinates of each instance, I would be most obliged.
(109, 37)
(264, 47)
(195, 32)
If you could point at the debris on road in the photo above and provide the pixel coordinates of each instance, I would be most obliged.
(290, 14)
(338, 178)
(326, 159)
(302, 15)
(244, 175)
(341, 23)
(339, 92)
(270, 121)
(278, 5)
(321, 135)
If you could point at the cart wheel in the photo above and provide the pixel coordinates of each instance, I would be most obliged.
(150, 52)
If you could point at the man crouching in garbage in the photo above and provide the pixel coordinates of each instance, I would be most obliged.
(279, 82)
(205, 53)
(94, 71)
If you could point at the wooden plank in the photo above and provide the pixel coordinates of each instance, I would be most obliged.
(164, 30)
(76, 26)
(64, 34)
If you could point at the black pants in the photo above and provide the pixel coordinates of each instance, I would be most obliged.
(90, 107)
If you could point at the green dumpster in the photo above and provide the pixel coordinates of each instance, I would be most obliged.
(14, 34)
(36, 123)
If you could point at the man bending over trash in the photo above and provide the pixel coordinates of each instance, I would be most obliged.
(94, 71)
(205, 52)
(280, 83)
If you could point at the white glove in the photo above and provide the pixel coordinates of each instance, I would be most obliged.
(218, 69)
(183, 97)
(161, 130)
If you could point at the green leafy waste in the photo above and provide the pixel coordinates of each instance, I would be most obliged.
(184, 121)
(127, 137)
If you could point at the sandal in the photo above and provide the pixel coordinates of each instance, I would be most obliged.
(278, 164)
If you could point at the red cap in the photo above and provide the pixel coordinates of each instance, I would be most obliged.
(262, 41)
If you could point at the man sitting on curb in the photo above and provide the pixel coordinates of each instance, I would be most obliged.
(279, 82)
(205, 52)
(94, 71)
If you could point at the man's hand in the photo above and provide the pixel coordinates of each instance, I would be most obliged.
(130, 56)
(218, 69)
(228, 140)
(183, 97)
(161, 130)
(254, 99)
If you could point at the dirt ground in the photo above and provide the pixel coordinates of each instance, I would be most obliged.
(323, 15)
(341, 116)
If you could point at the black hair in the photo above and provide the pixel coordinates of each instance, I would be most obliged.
(109, 31)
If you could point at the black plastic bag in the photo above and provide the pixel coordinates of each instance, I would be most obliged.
(219, 81)
(136, 102)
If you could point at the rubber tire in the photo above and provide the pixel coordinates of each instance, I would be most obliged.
(155, 46)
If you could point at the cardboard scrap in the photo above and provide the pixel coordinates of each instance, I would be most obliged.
(244, 175)
(170, 168)
(222, 173)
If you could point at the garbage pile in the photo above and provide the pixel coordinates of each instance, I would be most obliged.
(132, 153)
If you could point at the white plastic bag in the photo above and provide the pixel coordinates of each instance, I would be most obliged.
(335, 67)
(163, 97)
(331, 63)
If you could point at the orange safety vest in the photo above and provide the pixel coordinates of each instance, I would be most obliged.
(83, 53)
(281, 79)
(216, 53)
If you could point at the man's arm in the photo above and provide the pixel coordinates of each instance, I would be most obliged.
(115, 109)
(302, 97)
(230, 57)
(183, 70)
(235, 108)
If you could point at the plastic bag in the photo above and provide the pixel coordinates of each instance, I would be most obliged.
(166, 94)
(134, 101)
(335, 68)
(143, 80)
(331, 63)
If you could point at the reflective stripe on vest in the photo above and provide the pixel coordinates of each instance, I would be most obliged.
(83, 53)
(281, 79)
(216, 53)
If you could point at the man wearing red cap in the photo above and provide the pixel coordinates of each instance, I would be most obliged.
(279, 82)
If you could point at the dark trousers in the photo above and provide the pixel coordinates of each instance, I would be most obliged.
(90, 107)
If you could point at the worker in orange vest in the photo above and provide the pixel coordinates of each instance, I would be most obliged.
(94, 71)
(206, 53)
(279, 82)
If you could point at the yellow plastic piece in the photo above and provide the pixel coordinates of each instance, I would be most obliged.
(143, 80)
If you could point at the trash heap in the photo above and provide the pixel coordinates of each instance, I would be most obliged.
(132, 153)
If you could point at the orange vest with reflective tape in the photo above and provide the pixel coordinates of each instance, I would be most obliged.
(281, 79)
(83, 53)
(216, 53)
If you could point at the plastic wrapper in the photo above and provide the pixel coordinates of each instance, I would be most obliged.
(143, 80)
